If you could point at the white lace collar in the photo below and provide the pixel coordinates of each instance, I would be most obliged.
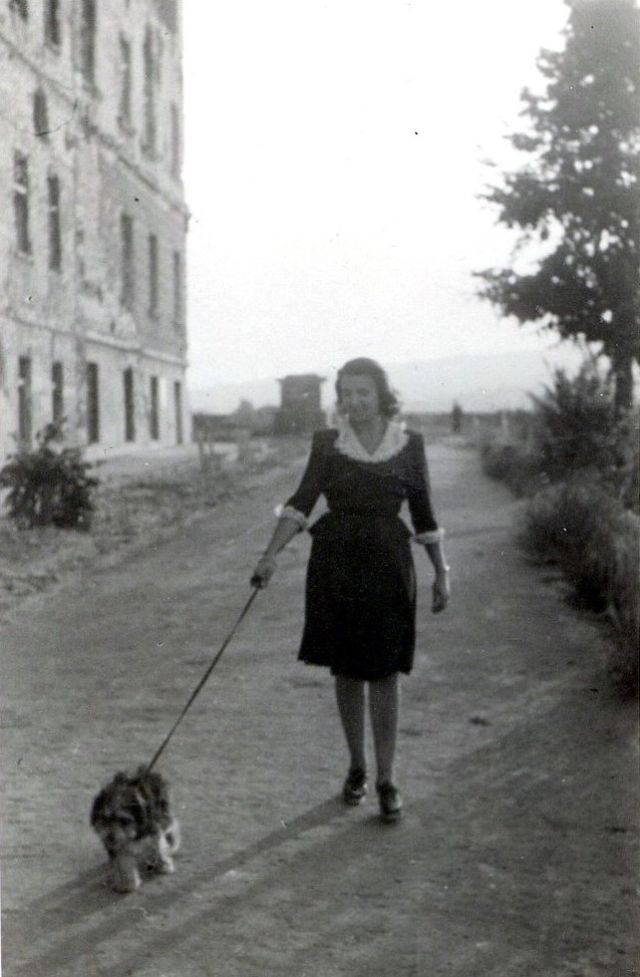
(348, 443)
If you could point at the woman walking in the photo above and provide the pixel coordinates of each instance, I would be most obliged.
(360, 593)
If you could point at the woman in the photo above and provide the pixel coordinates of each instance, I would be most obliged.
(360, 595)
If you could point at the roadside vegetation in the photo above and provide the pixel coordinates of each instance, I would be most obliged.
(575, 464)
(126, 508)
(571, 204)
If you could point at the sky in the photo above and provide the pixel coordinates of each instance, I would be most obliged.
(334, 154)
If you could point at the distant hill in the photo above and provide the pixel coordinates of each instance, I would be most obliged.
(479, 383)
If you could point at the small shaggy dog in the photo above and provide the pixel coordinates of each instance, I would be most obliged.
(132, 816)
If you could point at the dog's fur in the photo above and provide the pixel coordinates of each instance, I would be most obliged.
(132, 816)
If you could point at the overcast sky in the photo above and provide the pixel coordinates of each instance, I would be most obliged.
(334, 153)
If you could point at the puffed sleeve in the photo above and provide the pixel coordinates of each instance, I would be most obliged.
(419, 494)
(311, 486)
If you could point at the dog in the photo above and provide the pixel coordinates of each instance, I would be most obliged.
(132, 816)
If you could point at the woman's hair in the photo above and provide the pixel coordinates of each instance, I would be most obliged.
(364, 367)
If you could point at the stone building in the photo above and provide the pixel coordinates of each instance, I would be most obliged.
(300, 404)
(92, 236)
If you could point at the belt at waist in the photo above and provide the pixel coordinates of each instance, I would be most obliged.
(365, 513)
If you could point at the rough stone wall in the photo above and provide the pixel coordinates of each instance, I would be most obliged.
(105, 168)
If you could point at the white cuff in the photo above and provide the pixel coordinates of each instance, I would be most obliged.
(431, 536)
(288, 512)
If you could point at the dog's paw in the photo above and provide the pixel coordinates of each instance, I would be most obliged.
(124, 874)
(172, 836)
(165, 866)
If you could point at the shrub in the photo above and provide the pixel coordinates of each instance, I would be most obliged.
(580, 464)
(514, 465)
(575, 425)
(624, 604)
(48, 486)
(624, 477)
(582, 528)
(570, 524)
(572, 429)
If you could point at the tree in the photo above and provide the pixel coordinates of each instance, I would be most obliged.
(575, 198)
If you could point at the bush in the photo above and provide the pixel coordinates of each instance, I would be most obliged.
(582, 528)
(573, 429)
(570, 524)
(624, 478)
(624, 604)
(575, 424)
(512, 464)
(581, 466)
(48, 486)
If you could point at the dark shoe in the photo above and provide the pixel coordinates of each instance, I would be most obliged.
(390, 802)
(355, 787)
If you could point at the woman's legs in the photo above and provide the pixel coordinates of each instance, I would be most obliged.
(384, 708)
(350, 698)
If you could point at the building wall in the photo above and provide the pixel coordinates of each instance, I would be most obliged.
(105, 166)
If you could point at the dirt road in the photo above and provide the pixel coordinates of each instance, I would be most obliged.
(518, 852)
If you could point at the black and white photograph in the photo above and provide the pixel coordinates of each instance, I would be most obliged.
(319, 488)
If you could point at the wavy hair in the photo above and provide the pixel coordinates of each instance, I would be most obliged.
(364, 367)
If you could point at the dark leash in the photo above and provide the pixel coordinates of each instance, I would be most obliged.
(202, 680)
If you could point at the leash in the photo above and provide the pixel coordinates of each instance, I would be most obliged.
(202, 681)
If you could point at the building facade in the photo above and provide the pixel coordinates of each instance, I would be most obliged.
(93, 229)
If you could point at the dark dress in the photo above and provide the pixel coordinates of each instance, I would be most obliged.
(360, 591)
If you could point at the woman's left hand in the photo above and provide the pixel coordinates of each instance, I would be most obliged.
(441, 592)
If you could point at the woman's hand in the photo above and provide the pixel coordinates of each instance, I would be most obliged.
(263, 572)
(440, 591)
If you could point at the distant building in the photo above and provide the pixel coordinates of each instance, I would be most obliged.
(92, 246)
(300, 404)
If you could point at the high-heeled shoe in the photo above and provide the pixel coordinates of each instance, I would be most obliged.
(355, 787)
(390, 802)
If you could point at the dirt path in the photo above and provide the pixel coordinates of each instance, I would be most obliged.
(518, 852)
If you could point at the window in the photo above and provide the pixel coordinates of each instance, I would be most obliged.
(24, 401)
(127, 280)
(21, 7)
(150, 127)
(88, 40)
(21, 202)
(153, 275)
(57, 392)
(55, 235)
(129, 406)
(175, 140)
(124, 112)
(93, 404)
(154, 409)
(177, 402)
(40, 115)
(52, 22)
(177, 288)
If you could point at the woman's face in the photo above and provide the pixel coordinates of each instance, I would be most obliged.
(359, 398)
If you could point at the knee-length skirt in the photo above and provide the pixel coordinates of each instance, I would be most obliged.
(360, 596)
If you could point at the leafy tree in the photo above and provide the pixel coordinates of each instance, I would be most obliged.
(575, 197)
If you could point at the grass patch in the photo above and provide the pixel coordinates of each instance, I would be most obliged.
(131, 511)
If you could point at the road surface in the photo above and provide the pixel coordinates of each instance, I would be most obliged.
(517, 854)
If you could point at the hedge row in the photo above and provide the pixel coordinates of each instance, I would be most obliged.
(577, 467)
(579, 527)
